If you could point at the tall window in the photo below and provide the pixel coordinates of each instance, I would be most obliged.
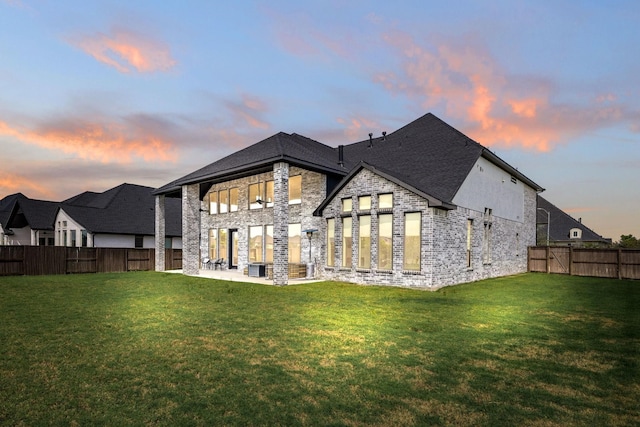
(233, 199)
(469, 241)
(268, 197)
(331, 242)
(213, 202)
(295, 190)
(364, 241)
(83, 234)
(223, 201)
(255, 198)
(412, 241)
(223, 243)
(73, 238)
(294, 243)
(385, 242)
(346, 241)
(364, 203)
(385, 201)
(255, 243)
(268, 243)
(213, 243)
(64, 238)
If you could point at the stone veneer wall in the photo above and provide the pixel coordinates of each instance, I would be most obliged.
(313, 192)
(444, 237)
(160, 233)
(190, 229)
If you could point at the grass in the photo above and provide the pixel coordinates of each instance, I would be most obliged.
(164, 349)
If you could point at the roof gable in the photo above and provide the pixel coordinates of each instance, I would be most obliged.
(293, 148)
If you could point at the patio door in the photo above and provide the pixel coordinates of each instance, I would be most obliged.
(233, 248)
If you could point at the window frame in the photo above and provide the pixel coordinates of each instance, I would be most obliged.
(388, 266)
(364, 232)
(406, 265)
(292, 200)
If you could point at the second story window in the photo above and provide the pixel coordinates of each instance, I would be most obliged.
(268, 196)
(364, 203)
(295, 190)
(385, 201)
(347, 205)
(223, 201)
(233, 199)
(213, 202)
(255, 198)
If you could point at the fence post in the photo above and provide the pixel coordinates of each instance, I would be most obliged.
(570, 260)
(619, 264)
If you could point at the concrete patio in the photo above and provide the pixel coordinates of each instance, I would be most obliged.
(237, 276)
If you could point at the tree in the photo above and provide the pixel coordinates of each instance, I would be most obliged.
(627, 241)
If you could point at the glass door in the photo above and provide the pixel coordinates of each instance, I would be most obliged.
(233, 248)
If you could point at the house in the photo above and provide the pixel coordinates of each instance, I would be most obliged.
(121, 217)
(564, 230)
(25, 221)
(424, 206)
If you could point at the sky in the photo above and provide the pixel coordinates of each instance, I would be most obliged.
(97, 93)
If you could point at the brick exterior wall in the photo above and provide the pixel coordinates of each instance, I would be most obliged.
(313, 193)
(191, 229)
(160, 233)
(443, 239)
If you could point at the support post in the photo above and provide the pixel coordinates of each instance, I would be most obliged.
(191, 229)
(281, 224)
(160, 234)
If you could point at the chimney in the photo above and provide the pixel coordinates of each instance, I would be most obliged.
(341, 155)
(370, 140)
(384, 136)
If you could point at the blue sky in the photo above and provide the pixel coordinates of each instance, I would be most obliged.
(93, 94)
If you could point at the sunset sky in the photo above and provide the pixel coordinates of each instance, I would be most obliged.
(97, 93)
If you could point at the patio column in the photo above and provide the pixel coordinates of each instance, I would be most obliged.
(160, 232)
(191, 229)
(281, 224)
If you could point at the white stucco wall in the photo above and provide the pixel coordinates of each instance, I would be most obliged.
(64, 222)
(488, 186)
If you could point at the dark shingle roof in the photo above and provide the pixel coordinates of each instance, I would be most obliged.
(17, 210)
(125, 209)
(427, 155)
(561, 223)
(293, 148)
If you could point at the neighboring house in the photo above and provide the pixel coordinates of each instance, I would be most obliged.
(25, 221)
(424, 206)
(564, 230)
(122, 217)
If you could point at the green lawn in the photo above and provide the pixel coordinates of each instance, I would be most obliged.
(154, 348)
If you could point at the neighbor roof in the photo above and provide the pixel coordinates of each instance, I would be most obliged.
(125, 209)
(17, 211)
(561, 223)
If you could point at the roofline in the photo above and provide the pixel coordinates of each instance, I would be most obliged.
(433, 202)
(230, 173)
(493, 158)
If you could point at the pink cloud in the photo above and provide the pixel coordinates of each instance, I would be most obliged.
(464, 79)
(12, 183)
(101, 140)
(125, 51)
(358, 128)
(247, 112)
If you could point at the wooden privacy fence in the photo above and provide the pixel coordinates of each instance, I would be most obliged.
(39, 260)
(611, 263)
